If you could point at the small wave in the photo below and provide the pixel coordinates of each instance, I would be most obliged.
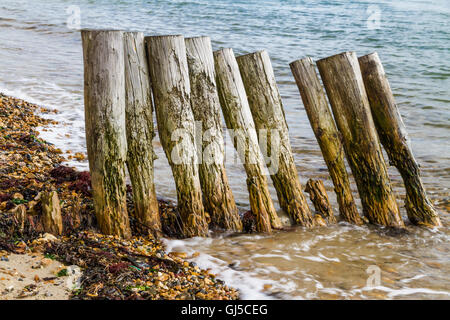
(248, 285)
(393, 293)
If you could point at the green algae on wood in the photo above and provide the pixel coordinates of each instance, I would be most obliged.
(176, 128)
(393, 136)
(140, 132)
(218, 198)
(343, 82)
(268, 114)
(238, 118)
(327, 135)
(104, 99)
(319, 198)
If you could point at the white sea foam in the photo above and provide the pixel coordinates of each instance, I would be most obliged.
(248, 285)
(406, 291)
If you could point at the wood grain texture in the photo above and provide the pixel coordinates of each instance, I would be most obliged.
(238, 118)
(217, 196)
(176, 128)
(319, 198)
(104, 100)
(327, 135)
(393, 136)
(140, 133)
(268, 114)
(343, 82)
(51, 213)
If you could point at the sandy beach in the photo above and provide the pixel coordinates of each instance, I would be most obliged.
(32, 277)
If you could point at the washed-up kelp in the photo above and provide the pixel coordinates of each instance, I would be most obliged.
(134, 269)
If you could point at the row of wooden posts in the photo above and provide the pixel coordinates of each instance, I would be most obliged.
(128, 76)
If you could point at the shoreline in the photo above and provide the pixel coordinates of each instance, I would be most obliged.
(30, 166)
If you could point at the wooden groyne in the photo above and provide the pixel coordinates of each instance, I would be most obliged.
(393, 136)
(140, 132)
(127, 76)
(171, 92)
(104, 106)
(267, 110)
(217, 195)
(319, 198)
(327, 135)
(238, 117)
(343, 83)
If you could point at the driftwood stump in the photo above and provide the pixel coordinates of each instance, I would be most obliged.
(343, 82)
(268, 114)
(140, 133)
(393, 136)
(217, 196)
(327, 135)
(51, 213)
(20, 217)
(176, 127)
(238, 118)
(319, 198)
(104, 100)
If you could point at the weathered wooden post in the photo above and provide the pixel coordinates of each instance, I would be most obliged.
(327, 135)
(218, 198)
(104, 101)
(238, 118)
(51, 213)
(393, 136)
(176, 127)
(268, 114)
(319, 198)
(343, 82)
(140, 133)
